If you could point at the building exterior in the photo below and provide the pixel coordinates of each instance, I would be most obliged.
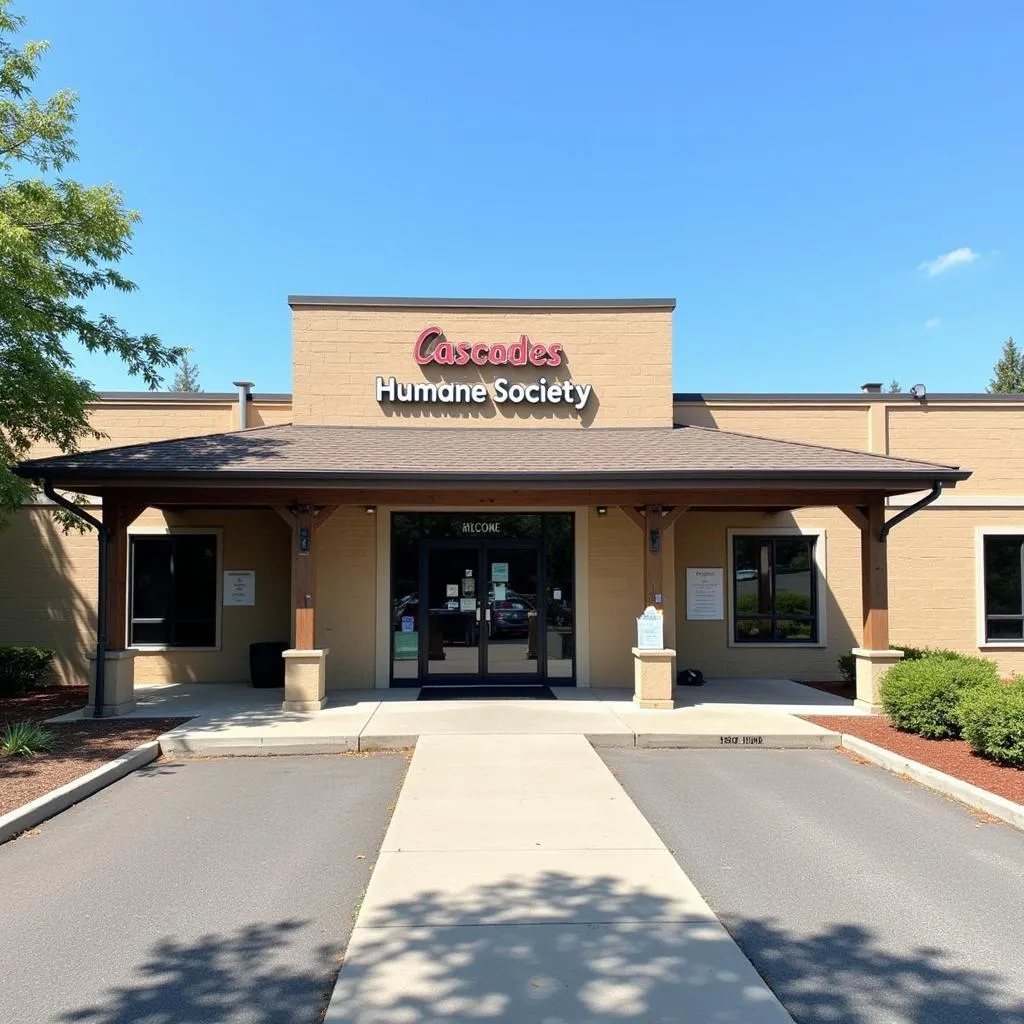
(472, 491)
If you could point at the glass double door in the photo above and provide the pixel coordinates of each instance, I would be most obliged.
(484, 618)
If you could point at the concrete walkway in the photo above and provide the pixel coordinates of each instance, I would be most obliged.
(519, 883)
(236, 719)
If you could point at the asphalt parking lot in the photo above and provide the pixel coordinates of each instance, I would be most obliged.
(194, 891)
(858, 896)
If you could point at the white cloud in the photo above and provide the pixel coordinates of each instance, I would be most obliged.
(932, 321)
(953, 258)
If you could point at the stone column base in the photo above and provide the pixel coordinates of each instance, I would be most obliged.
(871, 667)
(654, 678)
(118, 683)
(305, 687)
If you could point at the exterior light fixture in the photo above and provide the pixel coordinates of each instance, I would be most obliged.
(370, 509)
(602, 510)
(919, 392)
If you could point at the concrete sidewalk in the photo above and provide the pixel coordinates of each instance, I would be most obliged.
(519, 883)
(235, 719)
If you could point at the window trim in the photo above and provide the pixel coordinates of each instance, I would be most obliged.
(821, 595)
(218, 532)
(980, 533)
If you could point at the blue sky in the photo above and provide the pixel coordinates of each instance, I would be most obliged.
(787, 171)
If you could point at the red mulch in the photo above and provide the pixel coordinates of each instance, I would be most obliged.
(847, 690)
(81, 746)
(954, 757)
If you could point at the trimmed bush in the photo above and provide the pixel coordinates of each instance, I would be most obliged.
(22, 668)
(993, 722)
(923, 695)
(25, 739)
(848, 663)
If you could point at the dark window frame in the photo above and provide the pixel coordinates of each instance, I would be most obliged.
(174, 619)
(774, 616)
(988, 618)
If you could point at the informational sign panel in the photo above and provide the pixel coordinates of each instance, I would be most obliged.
(705, 593)
(239, 587)
(499, 572)
(650, 631)
(407, 646)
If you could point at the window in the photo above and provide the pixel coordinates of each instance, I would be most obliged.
(1004, 570)
(775, 589)
(173, 590)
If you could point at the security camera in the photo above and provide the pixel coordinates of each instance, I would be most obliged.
(918, 391)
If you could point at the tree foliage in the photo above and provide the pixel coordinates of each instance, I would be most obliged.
(1008, 373)
(186, 378)
(59, 243)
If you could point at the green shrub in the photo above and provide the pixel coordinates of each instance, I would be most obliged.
(848, 663)
(22, 668)
(993, 722)
(25, 738)
(922, 695)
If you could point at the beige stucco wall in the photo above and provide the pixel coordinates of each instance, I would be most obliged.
(616, 593)
(346, 583)
(625, 354)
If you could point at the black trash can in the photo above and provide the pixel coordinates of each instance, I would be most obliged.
(266, 666)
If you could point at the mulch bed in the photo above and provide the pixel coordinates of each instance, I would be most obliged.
(954, 757)
(847, 690)
(81, 746)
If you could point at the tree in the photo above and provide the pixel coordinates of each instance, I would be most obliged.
(59, 243)
(1008, 373)
(894, 387)
(187, 376)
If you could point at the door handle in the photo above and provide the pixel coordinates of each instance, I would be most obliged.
(488, 614)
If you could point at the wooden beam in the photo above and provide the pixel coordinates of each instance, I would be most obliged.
(653, 561)
(117, 517)
(286, 514)
(856, 515)
(322, 514)
(875, 578)
(305, 579)
(636, 517)
(668, 518)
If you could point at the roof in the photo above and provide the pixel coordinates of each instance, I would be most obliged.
(406, 302)
(351, 456)
(698, 397)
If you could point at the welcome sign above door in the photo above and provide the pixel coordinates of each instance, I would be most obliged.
(433, 348)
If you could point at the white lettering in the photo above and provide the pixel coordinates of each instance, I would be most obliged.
(424, 392)
(583, 393)
(501, 389)
(534, 393)
(385, 390)
(538, 393)
(479, 393)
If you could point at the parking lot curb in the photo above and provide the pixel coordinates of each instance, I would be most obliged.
(973, 796)
(31, 814)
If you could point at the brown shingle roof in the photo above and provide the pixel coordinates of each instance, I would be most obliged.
(339, 453)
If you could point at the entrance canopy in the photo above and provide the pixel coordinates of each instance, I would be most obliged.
(688, 465)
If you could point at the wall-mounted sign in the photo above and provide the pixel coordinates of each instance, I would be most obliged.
(705, 594)
(484, 527)
(433, 348)
(239, 587)
(499, 572)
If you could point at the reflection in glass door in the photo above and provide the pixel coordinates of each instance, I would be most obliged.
(512, 611)
(454, 605)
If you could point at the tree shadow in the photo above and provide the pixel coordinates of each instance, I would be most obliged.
(221, 978)
(549, 947)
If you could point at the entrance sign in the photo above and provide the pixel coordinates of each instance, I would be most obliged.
(705, 594)
(491, 527)
(650, 630)
(432, 348)
(240, 587)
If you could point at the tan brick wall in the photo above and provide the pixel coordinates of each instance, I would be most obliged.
(836, 425)
(702, 540)
(48, 590)
(346, 568)
(339, 353)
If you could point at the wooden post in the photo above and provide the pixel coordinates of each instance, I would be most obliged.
(117, 517)
(874, 577)
(305, 577)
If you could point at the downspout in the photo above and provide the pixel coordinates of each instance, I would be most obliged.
(101, 589)
(933, 495)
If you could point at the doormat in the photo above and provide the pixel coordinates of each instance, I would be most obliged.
(486, 693)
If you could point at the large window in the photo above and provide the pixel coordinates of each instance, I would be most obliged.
(173, 590)
(1004, 571)
(775, 589)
